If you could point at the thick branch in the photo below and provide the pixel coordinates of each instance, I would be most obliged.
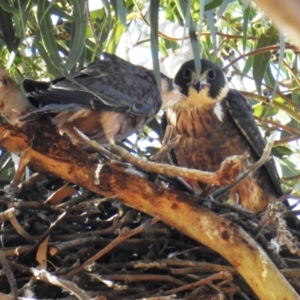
(176, 209)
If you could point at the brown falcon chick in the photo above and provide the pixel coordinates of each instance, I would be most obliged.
(216, 122)
(108, 100)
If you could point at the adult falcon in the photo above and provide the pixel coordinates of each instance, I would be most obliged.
(216, 122)
(108, 100)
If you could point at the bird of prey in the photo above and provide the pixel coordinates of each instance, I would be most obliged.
(216, 122)
(108, 100)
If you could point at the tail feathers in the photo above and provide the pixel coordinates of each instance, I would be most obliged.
(48, 109)
(30, 85)
(63, 96)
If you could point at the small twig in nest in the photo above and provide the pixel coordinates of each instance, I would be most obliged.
(219, 276)
(9, 214)
(9, 275)
(46, 233)
(125, 234)
(45, 276)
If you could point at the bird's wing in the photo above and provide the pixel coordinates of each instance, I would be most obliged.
(111, 84)
(52, 108)
(241, 113)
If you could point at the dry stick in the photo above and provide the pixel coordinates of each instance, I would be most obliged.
(45, 276)
(142, 277)
(124, 235)
(9, 275)
(16, 251)
(219, 276)
(228, 172)
(46, 233)
(9, 214)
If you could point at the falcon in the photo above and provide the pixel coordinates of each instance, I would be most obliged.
(216, 122)
(108, 100)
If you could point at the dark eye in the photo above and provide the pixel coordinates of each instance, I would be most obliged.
(187, 73)
(211, 74)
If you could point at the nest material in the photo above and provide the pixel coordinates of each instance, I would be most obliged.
(62, 242)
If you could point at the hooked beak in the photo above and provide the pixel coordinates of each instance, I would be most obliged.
(200, 84)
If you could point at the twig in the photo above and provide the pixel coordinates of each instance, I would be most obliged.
(125, 234)
(10, 276)
(46, 233)
(142, 277)
(9, 214)
(45, 276)
(218, 276)
(228, 172)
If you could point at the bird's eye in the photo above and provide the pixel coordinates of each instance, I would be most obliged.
(187, 73)
(211, 74)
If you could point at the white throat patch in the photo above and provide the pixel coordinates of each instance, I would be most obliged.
(218, 111)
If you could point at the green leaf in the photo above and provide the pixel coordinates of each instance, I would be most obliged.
(78, 33)
(211, 25)
(55, 10)
(8, 7)
(114, 37)
(46, 31)
(245, 27)
(289, 169)
(106, 7)
(186, 8)
(264, 110)
(7, 167)
(154, 9)
(119, 8)
(261, 61)
(52, 70)
(213, 4)
(269, 77)
(8, 31)
(282, 151)
(223, 7)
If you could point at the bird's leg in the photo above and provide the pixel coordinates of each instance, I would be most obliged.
(167, 145)
(96, 146)
(24, 161)
(12, 190)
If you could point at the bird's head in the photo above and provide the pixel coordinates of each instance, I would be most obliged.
(208, 87)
